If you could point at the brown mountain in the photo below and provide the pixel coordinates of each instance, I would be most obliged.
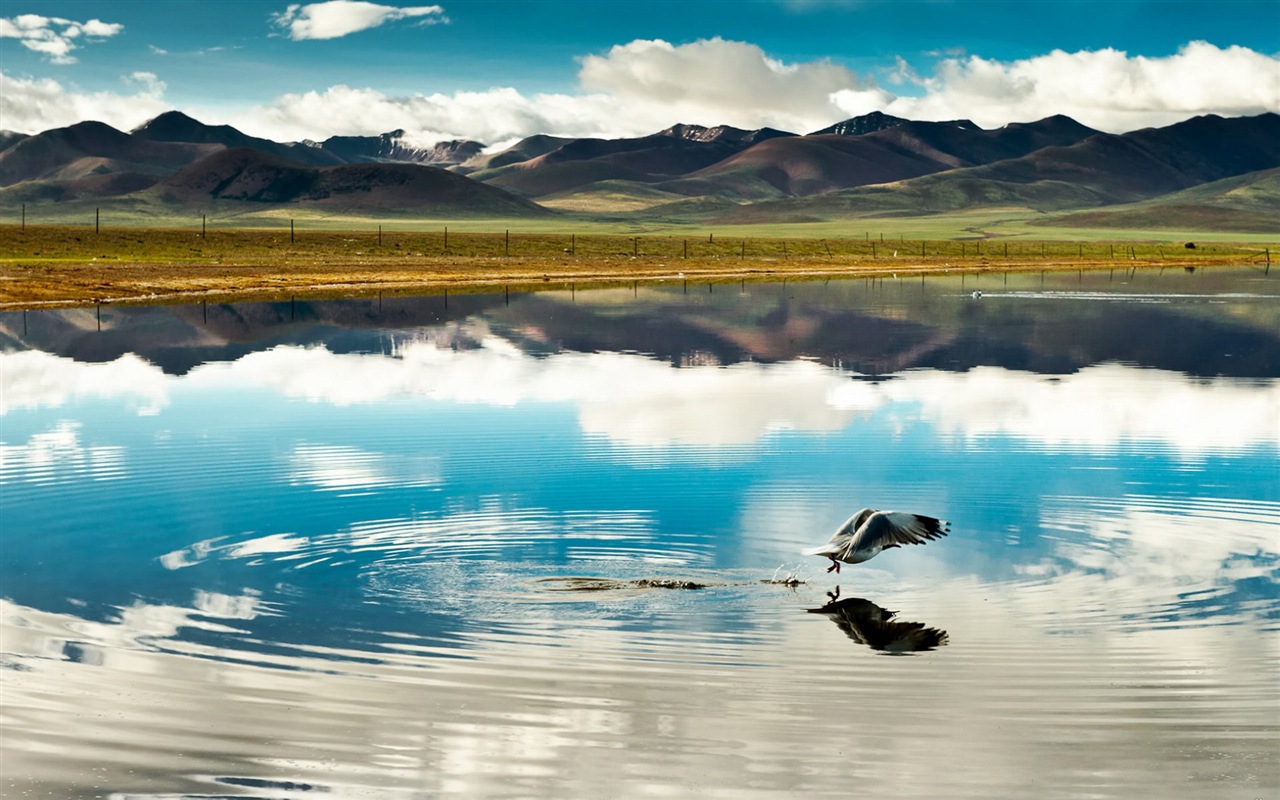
(10, 138)
(174, 126)
(92, 148)
(670, 153)
(391, 146)
(819, 163)
(1102, 170)
(867, 123)
(523, 150)
(251, 176)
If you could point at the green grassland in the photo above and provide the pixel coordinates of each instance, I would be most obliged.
(1145, 223)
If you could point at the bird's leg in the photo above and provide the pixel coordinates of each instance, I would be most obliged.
(835, 595)
(835, 565)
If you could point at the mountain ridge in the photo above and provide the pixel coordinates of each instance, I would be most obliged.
(871, 164)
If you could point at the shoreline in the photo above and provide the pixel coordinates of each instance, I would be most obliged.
(68, 266)
(60, 285)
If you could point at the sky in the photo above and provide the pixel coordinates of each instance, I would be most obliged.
(498, 70)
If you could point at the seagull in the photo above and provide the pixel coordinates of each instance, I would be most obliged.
(867, 532)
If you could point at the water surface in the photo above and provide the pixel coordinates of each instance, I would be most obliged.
(547, 544)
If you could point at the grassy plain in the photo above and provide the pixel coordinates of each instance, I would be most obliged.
(44, 265)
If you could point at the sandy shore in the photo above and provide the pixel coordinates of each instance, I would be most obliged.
(44, 266)
(37, 285)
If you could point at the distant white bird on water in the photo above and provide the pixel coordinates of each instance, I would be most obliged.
(867, 532)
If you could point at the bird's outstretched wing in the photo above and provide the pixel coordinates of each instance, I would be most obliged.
(839, 540)
(894, 528)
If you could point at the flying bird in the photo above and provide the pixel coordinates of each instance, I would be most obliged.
(867, 532)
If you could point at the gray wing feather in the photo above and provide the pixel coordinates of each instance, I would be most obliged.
(893, 528)
(839, 541)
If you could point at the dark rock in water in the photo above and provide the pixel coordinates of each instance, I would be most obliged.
(666, 583)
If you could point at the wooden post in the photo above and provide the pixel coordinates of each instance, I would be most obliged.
(379, 236)
(24, 217)
(573, 244)
(446, 239)
(290, 231)
(1006, 249)
(744, 250)
(922, 248)
(96, 219)
(686, 248)
(635, 246)
(711, 238)
(506, 245)
(203, 227)
(1113, 250)
(873, 249)
(784, 251)
(963, 250)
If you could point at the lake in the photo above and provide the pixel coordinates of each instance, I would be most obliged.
(547, 544)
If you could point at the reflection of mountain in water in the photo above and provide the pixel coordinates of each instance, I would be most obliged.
(178, 338)
(850, 324)
(867, 623)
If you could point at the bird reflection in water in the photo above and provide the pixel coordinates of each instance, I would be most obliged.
(867, 623)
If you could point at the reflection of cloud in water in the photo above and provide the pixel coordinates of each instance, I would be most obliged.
(350, 469)
(638, 401)
(1097, 407)
(58, 456)
(493, 529)
(140, 626)
(32, 379)
(1196, 550)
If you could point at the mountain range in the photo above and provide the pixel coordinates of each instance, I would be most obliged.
(1209, 168)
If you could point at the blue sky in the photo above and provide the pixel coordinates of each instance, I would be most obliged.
(500, 70)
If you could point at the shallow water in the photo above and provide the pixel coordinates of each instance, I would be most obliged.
(547, 544)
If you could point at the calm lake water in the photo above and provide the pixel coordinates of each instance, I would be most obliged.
(415, 547)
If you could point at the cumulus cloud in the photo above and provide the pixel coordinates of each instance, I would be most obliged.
(646, 85)
(1106, 89)
(32, 105)
(338, 18)
(55, 37)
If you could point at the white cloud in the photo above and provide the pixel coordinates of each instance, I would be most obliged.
(338, 18)
(32, 105)
(633, 89)
(1107, 89)
(716, 81)
(54, 37)
(646, 85)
